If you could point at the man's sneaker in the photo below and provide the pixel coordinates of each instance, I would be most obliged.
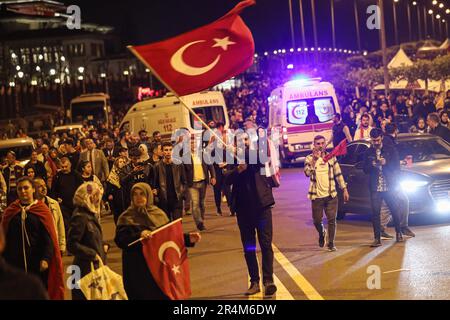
(201, 227)
(322, 239)
(332, 247)
(408, 233)
(386, 236)
(219, 213)
(269, 289)
(376, 243)
(399, 237)
(254, 289)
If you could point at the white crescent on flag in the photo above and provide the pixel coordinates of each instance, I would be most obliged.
(177, 62)
(164, 247)
(179, 65)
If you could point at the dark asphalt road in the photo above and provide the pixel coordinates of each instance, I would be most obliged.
(415, 269)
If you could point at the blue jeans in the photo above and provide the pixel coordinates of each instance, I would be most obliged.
(198, 193)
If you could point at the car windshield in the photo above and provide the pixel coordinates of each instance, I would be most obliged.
(22, 153)
(424, 150)
(210, 113)
(92, 110)
(310, 111)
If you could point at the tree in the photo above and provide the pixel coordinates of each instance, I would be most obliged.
(420, 70)
(367, 78)
(337, 75)
(440, 69)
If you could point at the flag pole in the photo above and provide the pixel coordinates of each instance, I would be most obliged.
(157, 230)
(176, 95)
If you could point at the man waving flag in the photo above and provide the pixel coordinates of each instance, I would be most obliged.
(203, 57)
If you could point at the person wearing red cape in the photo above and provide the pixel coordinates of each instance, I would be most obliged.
(31, 242)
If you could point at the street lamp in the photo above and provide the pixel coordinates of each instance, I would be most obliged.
(358, 35)
(57, 80)
(20, 74)
(18, 68)
(291, 19)
(81, 69)
(414, 3)
(13, 55)
(103, 75)
(447, 11)
(63, 58)
(12, 84)
(41, 57)
(441, 5)
(52, 72)
(34, 83)
(434, 2)
(81, 78)
(394, 9)
(38, 69)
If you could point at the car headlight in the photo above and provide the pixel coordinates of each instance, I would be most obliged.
(443, 206)
(412, 185)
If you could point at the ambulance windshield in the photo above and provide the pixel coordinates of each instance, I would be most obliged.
(208, 114)
(310, 111)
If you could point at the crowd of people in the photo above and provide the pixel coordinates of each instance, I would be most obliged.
(407, 111)
(53, 205)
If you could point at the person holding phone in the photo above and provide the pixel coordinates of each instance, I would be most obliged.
(322, 190)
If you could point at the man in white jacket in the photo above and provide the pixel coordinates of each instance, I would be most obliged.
(53, 205)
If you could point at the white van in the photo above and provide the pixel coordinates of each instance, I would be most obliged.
(91, 107)
(22, 147)
(66, 128)
(301, 110)
(167, 114)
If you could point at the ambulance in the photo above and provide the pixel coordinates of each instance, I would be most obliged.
(167, 114)
(300, 110)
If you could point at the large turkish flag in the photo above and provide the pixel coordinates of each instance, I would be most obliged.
(204, 57)
(166, 257)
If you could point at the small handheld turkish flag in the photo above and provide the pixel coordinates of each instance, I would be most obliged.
(340, 150)
(204, 57)
(166, 257)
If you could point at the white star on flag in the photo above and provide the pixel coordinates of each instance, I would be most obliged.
(176, 270)
(223, 43)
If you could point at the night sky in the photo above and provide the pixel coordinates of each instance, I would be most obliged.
(144, 21)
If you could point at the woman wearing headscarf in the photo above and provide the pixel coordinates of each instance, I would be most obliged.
(138, 221)
(114, 191)
(145, 158)
(85, 240)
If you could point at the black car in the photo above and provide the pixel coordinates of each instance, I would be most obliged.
(426, 181)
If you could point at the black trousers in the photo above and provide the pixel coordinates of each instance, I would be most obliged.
(173, 209)
(391, 201)
(252, 224)
(219, 188)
